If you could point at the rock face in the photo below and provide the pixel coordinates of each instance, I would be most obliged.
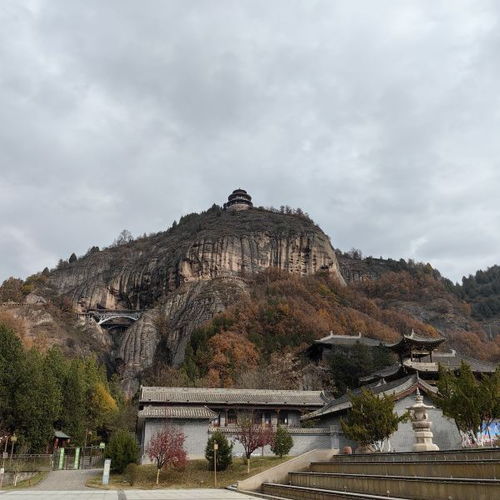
(214, 244)
(163, 332)
(184, 276)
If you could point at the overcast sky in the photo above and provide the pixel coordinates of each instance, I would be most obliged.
(379, 118)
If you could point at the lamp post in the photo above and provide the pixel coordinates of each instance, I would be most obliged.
(216, 447)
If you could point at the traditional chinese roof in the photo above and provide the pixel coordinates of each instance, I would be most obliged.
(414, 341)
(191, 395)
(398, 388)
(451, 360)
(386, 372)
(347, 340)
(178, 412)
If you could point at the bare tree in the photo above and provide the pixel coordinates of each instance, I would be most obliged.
(252, 436)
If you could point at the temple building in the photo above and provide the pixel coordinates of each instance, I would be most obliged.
(201, 411)
(415, 354)
(238, 200)
(312, 417)
(320, 349)
(418, 354)
(404, 390)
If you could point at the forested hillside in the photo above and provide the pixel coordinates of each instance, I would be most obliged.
(482, 291)
(258, 341)
(232, 299)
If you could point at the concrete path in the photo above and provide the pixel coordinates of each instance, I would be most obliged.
(92, 494)
(66, 480)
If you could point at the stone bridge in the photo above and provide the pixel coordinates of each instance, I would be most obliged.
(102, 316)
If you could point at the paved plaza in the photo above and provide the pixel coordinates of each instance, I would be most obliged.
(70, 485)
(91, 494)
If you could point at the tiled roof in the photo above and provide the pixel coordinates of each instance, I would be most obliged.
(388, 371)
(232, 429)
(206, 396)
(416, 339)
(452, 361)
(187, 412)
(396, 387)
(348, 340)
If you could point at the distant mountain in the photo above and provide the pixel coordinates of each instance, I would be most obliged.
(234, 286)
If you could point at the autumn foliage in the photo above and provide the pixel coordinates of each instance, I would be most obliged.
(252, 436)
(166, 449)
(285, 313)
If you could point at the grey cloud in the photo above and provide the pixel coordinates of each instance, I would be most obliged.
(380, 120)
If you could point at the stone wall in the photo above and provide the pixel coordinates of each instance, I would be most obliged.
(446, 435)
(197, 433)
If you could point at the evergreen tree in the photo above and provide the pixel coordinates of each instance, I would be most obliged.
(282, 442)
(11, 360)
(74, 405)
(371, 419)
(473, 404)
(122, 449)
(224, 452)
(37, 401)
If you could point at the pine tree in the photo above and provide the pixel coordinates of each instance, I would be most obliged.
(37, 401)
(282, 442)
(473, 404)
(224, 451)
(371, 419)
(122, 449)
(11, 359)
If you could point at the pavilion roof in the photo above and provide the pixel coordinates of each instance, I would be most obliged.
(398, 388)
(214, 396)
(348, 340)
(452, 360)
(416, 341)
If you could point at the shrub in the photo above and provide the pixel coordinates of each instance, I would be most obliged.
(132, 473)
(282, 442)
(122, 449)
(224, 452)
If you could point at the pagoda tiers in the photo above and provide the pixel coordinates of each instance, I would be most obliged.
(412, 350)
(415, 346)
(239, 199)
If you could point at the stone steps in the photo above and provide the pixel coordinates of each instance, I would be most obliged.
(479, 469)
(448, 475)
(291, 492)
(463, 455)
(401, 486)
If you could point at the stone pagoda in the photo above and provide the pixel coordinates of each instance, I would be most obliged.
(238, 200)
(421, 425)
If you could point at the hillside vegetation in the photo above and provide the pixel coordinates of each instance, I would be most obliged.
(482, 291)
(258, 340)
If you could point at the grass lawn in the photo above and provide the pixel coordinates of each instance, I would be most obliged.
(27, 482)
(195, 475)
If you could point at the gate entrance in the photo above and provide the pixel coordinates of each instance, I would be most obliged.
(90, 457)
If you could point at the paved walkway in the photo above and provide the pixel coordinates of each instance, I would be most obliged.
(66, 480)
(92, 494)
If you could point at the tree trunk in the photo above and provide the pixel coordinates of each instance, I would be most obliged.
(248, 465)
(157, 476)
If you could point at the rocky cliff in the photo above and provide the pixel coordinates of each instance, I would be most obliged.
(202, 246)
(182, 277)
